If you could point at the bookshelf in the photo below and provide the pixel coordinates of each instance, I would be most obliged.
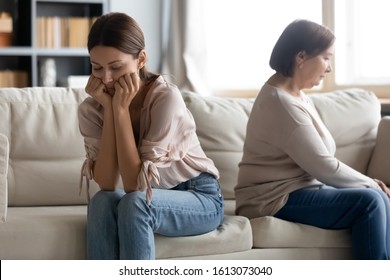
(45, 30)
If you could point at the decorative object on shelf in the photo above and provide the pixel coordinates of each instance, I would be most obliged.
(48, 72)
(5, 29)
(44, 29)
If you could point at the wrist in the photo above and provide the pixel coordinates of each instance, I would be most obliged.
(120, 112)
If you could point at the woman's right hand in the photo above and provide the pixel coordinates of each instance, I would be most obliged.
(97, 90)
(126, 89)
(383, 186)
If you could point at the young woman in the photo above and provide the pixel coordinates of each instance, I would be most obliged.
(136, 127)
(289, 169)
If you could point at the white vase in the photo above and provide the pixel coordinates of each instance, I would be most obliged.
(48, 72)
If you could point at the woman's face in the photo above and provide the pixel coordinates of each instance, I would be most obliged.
(109, 64)
(315, 68)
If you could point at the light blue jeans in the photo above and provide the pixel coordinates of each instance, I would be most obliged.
(122, 226)
(365, 211)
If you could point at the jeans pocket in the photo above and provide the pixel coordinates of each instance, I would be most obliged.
(210, 189)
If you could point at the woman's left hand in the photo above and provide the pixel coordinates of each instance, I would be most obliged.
(383, 186)
(126, 88)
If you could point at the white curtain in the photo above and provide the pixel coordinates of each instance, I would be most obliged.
(184, 55)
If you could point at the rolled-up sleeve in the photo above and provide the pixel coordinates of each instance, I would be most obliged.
(167, 139)
(90, 125)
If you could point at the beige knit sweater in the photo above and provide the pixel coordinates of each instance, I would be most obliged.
(287, 148)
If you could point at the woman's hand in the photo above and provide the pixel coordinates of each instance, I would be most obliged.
(383, 186)
(97, 90)
(126, 89)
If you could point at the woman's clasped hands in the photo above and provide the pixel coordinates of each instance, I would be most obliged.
(119, 95)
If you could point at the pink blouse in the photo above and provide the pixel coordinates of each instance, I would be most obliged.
(168, 145)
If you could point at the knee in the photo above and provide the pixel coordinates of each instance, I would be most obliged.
(373, 200)
(133, 205)
(105, 199)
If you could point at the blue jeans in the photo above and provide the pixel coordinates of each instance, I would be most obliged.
(122, 226)
(366, 211)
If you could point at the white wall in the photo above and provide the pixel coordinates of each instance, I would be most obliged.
(148, 14)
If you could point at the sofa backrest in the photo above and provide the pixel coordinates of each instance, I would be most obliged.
(46, 149)
(221, 128)
(39, 130)
(352, 117)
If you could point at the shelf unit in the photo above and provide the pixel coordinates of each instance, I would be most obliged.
(25, 55)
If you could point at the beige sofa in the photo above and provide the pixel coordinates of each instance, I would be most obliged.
(41, 152)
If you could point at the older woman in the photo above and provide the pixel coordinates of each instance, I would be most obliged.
(289, 169)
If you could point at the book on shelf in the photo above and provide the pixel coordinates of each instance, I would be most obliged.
(10, 78)
(78, 32)
(5, 29)
(5, 23)
(62, 32)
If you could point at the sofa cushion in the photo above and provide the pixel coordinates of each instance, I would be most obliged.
(4, 147)
(46, 149)
(379, 164)
(59, 232)
(352, 117)
(271, 232)
(43, 233)
(221, 128)
(234, 235)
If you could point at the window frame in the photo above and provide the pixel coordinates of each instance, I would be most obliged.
(329, 82)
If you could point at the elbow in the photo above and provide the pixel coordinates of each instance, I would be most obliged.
(131, 187)
(107, 188)
(130, 182)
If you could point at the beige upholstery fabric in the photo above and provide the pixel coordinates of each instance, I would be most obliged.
(234, 235)
(352, 116)
(60, 232)
(4, 146)
(271, 232)
(221, 128)
(44, 233)
(379, 165)
(45, 153)
(46, 147)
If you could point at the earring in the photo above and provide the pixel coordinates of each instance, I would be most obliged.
(300, 66)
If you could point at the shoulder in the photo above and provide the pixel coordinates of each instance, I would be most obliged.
(162, 91)
(89, 104)
(276, 96)
(276, 101)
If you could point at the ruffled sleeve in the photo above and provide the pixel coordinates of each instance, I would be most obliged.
(90, 124)
(167, 139)
(155, 156)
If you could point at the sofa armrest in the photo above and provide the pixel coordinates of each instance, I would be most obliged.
(379, 166)
(4, 156)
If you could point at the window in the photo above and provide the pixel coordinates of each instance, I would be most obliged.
(240, 35)
(362, 44)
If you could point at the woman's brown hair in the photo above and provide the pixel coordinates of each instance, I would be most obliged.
(300, 35)
(120, 31)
